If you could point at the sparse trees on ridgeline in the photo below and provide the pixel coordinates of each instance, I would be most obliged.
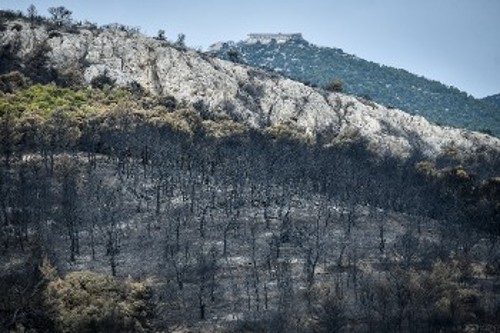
(181, 41)
(161, 35)
(60, 15)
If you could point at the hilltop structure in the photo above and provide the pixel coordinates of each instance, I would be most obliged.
(268, 38)
(303, 61)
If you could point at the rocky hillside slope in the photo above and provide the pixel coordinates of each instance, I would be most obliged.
(214, 86)
(300, 60)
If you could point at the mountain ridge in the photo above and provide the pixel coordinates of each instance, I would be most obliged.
(492, 99)
(218, 87)
(315, 65)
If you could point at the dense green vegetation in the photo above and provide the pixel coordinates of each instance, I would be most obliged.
(85, 301)
(493, 100)
(393, 87)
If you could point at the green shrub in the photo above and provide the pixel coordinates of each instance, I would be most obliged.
(37, 65)
(184, 121)
(170, 102)
(17, 27)
(223, 127)
(54, 34)
(12, 81)
(233, 55)
(91, 302)
(287, 131)
(102, 81)
(69, 77)
(335, 85)
(9, 59)
(252, 89)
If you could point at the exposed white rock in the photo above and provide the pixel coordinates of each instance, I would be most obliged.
(256, 97)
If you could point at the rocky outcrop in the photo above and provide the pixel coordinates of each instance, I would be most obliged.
(258, 98)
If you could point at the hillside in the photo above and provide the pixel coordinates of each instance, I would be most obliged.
(315, 65)
(216, 87)
(493, 100)
(146, 187)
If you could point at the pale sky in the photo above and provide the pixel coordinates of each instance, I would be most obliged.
(456, 42)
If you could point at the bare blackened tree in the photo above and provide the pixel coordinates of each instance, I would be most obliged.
(70, 215)
(206, 269)
(112, 212)
(7, 138)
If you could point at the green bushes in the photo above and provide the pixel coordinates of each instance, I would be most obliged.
(8, 55)
(102, 81)
(12, 81)
(91, 302)
(223, 127)
(251, 89)
(287, 131)
(44, 99)
(170, 102)
(37, 66)
(336, 86)
(54, 34)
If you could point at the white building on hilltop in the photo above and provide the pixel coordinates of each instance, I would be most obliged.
(267, 38)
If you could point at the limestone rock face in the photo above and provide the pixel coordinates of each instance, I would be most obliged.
(253, 96)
